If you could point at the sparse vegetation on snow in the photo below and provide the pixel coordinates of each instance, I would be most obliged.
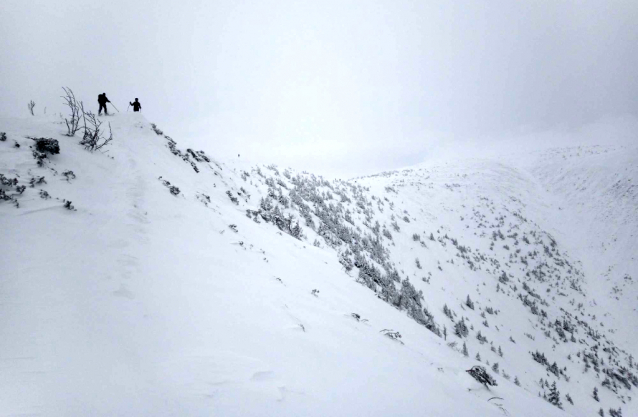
(460, 255)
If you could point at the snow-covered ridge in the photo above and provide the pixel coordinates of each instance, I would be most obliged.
(150, 279)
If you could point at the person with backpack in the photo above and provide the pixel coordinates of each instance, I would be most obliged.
(102, 100)
(136, 105)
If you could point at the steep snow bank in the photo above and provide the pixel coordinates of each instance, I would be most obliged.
(159, 294)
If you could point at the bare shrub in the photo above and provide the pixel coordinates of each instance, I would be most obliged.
(31, 105)
(93, 135)
(77, 111)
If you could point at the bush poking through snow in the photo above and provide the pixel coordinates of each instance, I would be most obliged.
(174, 190)
(205, 199)
(3, 137)
(156, 129)
(5, 197)
(232, 197)
(68, 205)
(77, 111)
(31, 106)
(9, 182)
(392, 335)
(480, 374)
(357, 317)
(94, 139)
(47, 145)
(39, 157)
(36, 181)
(69, 175)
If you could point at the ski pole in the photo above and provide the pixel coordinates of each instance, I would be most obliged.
(114, 107)
(129, 105)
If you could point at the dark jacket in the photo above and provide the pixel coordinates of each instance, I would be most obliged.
(102, 99)
(136, 105)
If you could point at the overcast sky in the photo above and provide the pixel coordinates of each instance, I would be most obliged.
(334, 87)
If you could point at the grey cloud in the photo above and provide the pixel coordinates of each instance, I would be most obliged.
(341, 87)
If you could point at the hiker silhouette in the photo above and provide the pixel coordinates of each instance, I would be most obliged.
(136, 105)
(102, 100)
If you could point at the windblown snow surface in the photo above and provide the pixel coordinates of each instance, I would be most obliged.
(175, 284)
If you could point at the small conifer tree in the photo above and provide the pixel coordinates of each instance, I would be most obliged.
(460, 328)
(615, 413)
(554, 396)
(469, 302)
(447, 311)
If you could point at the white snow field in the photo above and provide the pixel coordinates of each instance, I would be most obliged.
(139, 299)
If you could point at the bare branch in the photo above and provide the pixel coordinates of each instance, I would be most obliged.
(93, 135)
(72, 124)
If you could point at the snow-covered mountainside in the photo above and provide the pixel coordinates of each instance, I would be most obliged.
(147, 279)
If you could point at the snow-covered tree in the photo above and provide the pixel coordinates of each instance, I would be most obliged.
(469, 302)
(554, 396)
(460, 328)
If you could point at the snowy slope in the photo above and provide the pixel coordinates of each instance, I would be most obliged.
(143, 301)
(596, 191)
